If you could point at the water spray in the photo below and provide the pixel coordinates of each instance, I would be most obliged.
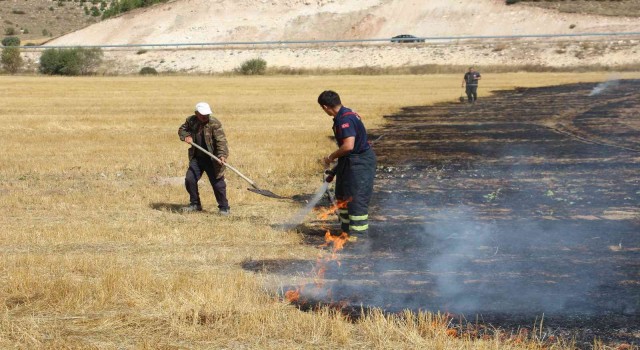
(302, 213)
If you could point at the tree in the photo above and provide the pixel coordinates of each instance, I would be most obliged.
(11, 59)
(75, 61)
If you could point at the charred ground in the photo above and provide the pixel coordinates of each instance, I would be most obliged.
(522, 205)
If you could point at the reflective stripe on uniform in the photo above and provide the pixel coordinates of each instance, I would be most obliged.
(358, 217)
(359, 227)
(344, 216)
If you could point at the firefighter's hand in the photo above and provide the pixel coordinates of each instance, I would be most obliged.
(188, 139)
(326, 161)
(329, 177)
(223, 160)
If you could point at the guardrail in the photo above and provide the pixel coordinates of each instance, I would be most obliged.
(353, 41)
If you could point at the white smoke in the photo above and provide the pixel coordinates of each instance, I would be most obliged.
(604, 86)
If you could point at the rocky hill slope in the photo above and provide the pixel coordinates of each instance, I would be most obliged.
(254, 20)
(201, 21)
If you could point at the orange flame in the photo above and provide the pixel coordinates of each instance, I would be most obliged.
(293, 295)
(324, 213)
(452, 332)
(336, 243)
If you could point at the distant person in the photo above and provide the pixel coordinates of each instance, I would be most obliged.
(356, 167)
(205, 131)
(471, 79)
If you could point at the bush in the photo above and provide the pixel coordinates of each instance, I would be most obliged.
(11, 41)
(10, 31)
(148, 71)
(256, 66)
(75, 61)
(511, 2)
(11, 59)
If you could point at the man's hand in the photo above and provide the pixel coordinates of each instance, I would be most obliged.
(329, 175)
(326, 161)
(222, 160)
(188, 139)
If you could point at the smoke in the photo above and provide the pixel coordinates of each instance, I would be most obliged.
(482, 266)
(458, 243)
(459, 263)
(604, 86)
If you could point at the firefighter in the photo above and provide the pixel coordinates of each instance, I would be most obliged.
(356, 166)
(471, 80)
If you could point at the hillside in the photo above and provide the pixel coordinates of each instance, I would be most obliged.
(624, 8)
(254, 20)
(37, 21)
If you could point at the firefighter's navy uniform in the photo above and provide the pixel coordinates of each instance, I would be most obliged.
(354, 173)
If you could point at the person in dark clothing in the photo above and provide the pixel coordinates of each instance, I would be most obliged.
(356, 167)
(471, 79)
(205, 131)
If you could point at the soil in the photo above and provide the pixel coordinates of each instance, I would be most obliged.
(520, 207)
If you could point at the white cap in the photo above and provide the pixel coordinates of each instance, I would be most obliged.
(203, 108)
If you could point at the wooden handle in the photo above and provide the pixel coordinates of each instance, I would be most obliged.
(227, 165)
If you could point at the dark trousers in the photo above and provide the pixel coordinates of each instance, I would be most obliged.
(472, 93)
(354, 183)
(196, 167)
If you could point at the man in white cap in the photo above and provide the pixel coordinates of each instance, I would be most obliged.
(205, 131)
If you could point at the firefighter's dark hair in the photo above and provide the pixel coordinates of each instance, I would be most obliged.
(329, 98)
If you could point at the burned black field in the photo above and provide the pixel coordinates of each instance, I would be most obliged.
(522, 205)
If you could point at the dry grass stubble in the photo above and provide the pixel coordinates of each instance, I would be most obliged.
(89, 257)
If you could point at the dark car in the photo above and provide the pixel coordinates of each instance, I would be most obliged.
(406, 38)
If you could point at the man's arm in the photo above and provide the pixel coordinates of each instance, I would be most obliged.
(463, 80)
(346, 148)
(183, 132)
(220, 139)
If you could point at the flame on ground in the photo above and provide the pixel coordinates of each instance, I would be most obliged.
(325, 213)
(337, 244)
(293, 295)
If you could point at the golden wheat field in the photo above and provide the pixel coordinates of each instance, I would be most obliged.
(90, 256)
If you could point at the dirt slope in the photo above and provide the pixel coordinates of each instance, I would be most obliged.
(197, 21)
(250, 20)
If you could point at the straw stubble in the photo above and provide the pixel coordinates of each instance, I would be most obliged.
(93, 252)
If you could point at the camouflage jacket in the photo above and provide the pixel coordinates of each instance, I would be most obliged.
(214, 136)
